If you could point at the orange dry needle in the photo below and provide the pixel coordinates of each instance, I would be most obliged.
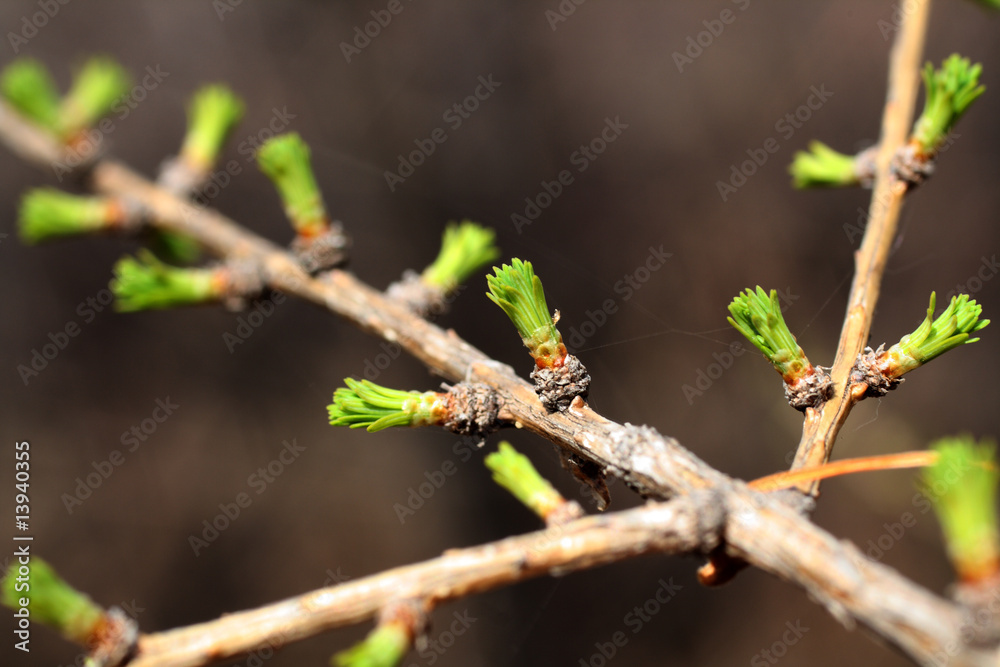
(789, 478)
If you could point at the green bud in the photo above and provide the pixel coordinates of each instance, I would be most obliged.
(949, 92)
(757, 315)
(384, 646)
(48, 213)
(147, 283)
(962, 485)
(934, 337)
(465, 247)
(212, 114)
(173, 247)
(97, 86)
(52, 601)
(29, 88)
(514, 472)
(366, 404)
(285, 160)
(823, 167)
(518, 291)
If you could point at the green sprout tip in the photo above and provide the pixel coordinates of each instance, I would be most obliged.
(285, 160)
(213, 112)
(465, 247)
(47, 213)
(50, 600)
(757, 315)
(95, 90)
(962, 486)
(366, 404)
(949, 92)
(145, 283)
(384, 646)
(822, 166)
(934, 337)
(518, 291)
(27, 85)
(514, 472)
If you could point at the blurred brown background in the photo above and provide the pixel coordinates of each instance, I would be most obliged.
(331, 511)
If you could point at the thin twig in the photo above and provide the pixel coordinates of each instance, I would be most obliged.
(671, 527)
(820, 428)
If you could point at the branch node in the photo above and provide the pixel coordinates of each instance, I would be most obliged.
(558, 386)
(911, 166)
(244, 281)
(810, 391)
(868, 371)
(115, 640)
(325, 250)
(473, 409)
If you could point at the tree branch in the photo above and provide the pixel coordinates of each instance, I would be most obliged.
(820, 428)
(762, 529)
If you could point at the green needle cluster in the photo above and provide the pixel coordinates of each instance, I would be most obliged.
(465, 247)
(757, 315)
(285, 160)
(145, 283)
(822, 166)
(384, 646)
(50, 600)
(366, 404)
(962, 486)
(514, 472)
(949, 93)
(213, 112)
(518, 291)
(934, 337)
(95, 89)
(28, 87)
(47, 213)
